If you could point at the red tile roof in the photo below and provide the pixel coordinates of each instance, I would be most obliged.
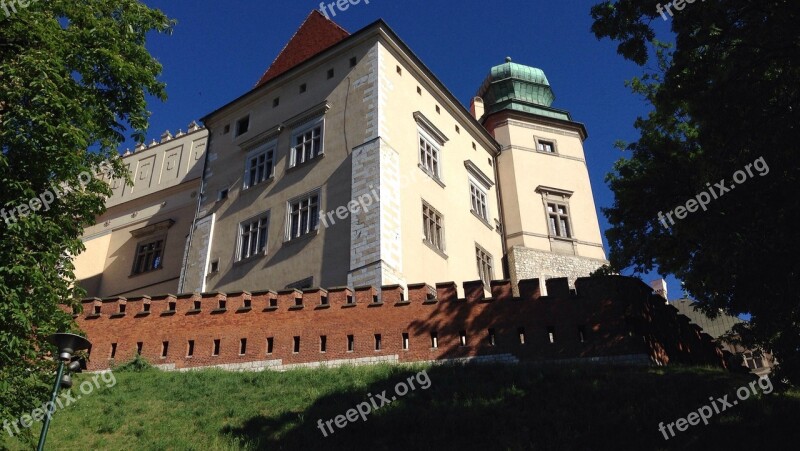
(314, 36)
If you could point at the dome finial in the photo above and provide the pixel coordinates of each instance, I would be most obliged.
(508, 59)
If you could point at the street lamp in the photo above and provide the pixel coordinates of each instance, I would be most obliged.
(67, 345)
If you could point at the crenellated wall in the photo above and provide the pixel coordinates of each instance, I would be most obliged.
(603, 319)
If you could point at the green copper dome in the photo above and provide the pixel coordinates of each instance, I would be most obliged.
(521, 88)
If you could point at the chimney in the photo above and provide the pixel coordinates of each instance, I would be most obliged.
(476, 108)
(660, 288)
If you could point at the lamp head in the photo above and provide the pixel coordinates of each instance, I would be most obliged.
(68, 344)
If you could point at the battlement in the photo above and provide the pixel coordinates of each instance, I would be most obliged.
(609, 318)
(166, 137)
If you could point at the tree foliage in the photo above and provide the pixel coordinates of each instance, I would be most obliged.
(726, 94)
(74, 76)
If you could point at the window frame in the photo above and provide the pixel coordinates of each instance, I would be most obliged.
(438, 245)
(257, 219)
(435, 156)
(269, 150)
(288, 234)
(302, 129)
(539, 142)
(150, 240)
(557, 197)
(476, 191)
(480, 264)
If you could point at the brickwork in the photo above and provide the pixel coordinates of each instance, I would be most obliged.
(611, 318)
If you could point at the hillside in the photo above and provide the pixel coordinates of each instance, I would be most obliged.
(463, 408)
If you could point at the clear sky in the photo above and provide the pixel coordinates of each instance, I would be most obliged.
(219, 49)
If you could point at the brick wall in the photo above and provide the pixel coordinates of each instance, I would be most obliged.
(604, 319)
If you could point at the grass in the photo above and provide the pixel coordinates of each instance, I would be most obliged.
(487, 407)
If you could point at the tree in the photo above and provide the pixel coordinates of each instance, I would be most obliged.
(725, 98)
(73, 78)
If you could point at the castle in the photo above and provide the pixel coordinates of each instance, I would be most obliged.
(350, 165)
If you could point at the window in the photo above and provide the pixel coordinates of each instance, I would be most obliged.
(438, 110)
(434, 340)
(96, 310)
(253, 237)
(330, 73)
(139, 345)
(307, 143)
(353, 61)
(242, 126)
(545, 146)
(485, 266)
(148, 256)
(405, 341)
(477, 197)
(122, 308)
(558, 218)
(190, 349)
(222, 194)
(214, 267)
(462, 338)
(428, 156)
(419, 90)
(582, 333)
(490, 338)
(433, 227)
(164, 349)
(303, 216)
(551, 334)
(145, 307)
(260, 166)
(243, 346)
(275, 102)
(227, 129)
(270, 344)
(754, 360)
(303, 88)
(171, 306)
(323, 343)
(351, 343)
(113, 350)
(215, 351)
(378, 342)
(197, 305)
(399, 70)
(521, 333)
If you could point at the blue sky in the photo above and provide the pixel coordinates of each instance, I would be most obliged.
(219, 49)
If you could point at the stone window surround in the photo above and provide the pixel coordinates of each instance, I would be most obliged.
(560, 196)
(287, 239)
(238, 248)
(264, 147)
(538, 139)
(479, 248)
(428, 131)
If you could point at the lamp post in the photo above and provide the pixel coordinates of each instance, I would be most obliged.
(67, 345)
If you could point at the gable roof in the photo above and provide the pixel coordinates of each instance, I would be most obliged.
(314, 36)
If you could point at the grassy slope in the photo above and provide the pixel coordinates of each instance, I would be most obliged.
(465, 408)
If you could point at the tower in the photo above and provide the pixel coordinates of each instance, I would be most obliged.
(550, 222)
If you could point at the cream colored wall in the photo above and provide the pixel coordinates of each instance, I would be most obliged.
(461, 228)
(165, 186)
(526, 219)
(324, 255)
